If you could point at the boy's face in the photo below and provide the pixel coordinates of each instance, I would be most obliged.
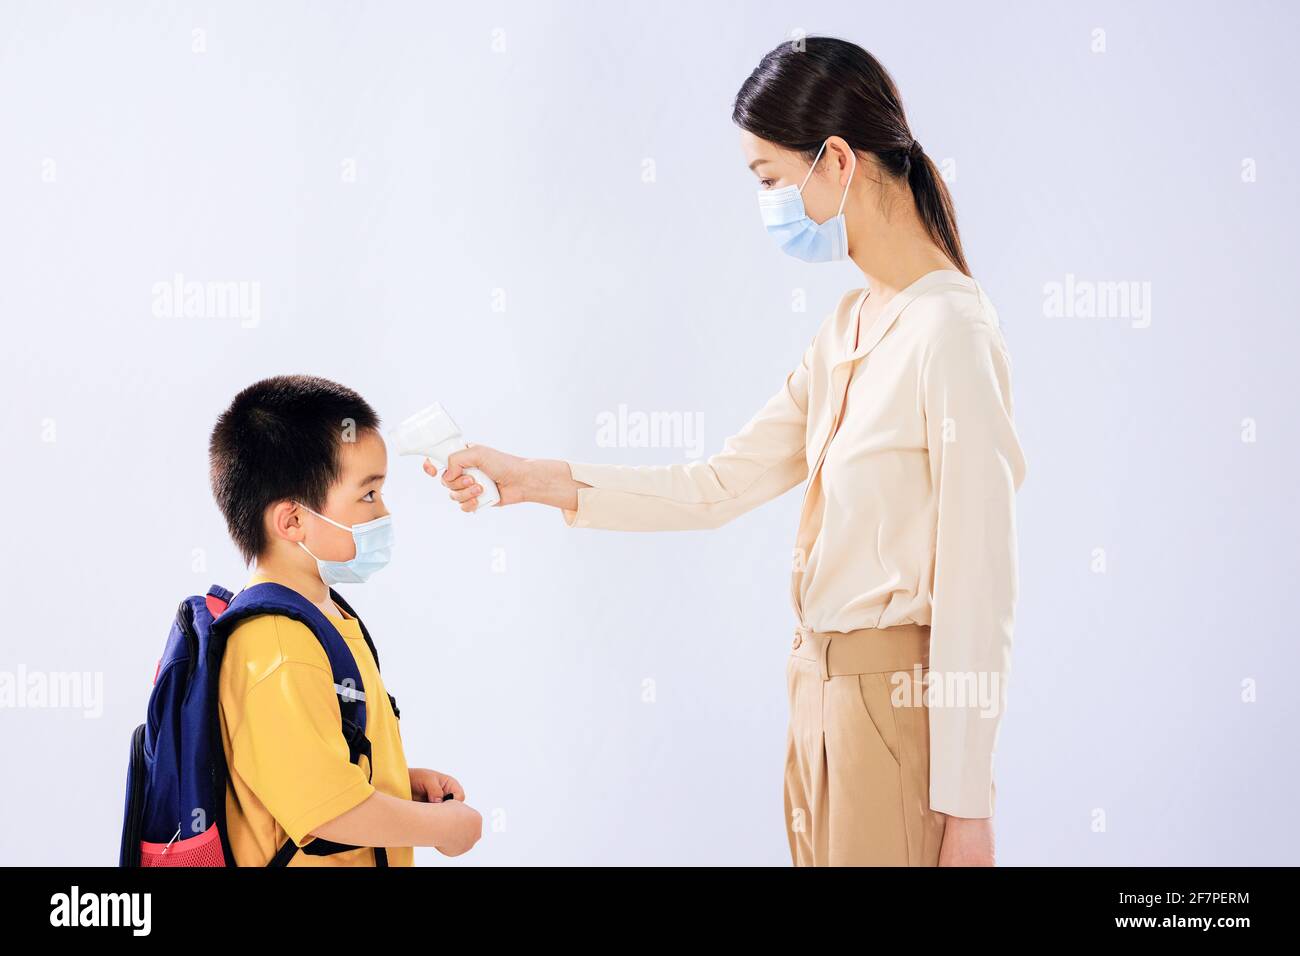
(354, 499)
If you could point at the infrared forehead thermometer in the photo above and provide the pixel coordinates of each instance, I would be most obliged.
(434, 435)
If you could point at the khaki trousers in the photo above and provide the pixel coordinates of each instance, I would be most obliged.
(857, 772)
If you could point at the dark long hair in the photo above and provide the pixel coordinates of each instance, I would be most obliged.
(808, 90)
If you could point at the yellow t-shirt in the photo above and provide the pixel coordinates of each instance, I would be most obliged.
(288, 761)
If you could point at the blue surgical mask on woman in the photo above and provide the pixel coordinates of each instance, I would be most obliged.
(374, 543)
(787, 222)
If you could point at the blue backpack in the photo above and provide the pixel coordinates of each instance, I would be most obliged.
(176, 778)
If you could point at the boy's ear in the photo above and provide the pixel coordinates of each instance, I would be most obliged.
(284, 521)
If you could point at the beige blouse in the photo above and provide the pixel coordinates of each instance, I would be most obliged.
(909, 513)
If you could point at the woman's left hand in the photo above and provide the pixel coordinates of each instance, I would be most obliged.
(967, 842)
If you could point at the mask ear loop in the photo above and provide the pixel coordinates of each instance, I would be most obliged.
(812, 167)
(852, 169)
(303, 544)
(323, 518)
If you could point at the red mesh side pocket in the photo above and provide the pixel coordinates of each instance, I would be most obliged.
(203, 849)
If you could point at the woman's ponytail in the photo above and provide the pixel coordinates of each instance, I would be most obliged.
(934, 204)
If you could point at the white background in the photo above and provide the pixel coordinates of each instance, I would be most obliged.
(129, 157)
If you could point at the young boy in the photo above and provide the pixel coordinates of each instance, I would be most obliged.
(298, 469)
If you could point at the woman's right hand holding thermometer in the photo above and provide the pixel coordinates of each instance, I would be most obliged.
(542, 481)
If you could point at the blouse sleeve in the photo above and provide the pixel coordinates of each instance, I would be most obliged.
(976, 466)
(763, 460)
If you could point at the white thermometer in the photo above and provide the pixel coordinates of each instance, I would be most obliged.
(434, 435)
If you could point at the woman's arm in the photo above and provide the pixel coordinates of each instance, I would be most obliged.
(976, 465)
(764, 459)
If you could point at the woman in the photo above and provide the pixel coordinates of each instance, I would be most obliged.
(899, 417)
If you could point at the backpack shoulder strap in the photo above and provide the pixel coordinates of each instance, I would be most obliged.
(338, 599)
(270, 598)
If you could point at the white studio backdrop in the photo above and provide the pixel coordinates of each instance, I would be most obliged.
(538, 214)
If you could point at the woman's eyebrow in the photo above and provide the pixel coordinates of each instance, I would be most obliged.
(757, 162)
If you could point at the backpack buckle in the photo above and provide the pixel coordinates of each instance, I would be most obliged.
(349, 693)
(358, 746)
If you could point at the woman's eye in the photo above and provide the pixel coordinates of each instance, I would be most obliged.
(766, 183)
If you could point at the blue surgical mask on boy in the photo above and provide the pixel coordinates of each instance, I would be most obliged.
(787, 222)
(374, 542)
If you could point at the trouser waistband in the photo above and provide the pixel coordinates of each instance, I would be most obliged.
(869, 650)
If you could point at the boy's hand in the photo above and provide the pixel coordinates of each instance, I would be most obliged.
(462, 828)
(430, 786)
(463, 825)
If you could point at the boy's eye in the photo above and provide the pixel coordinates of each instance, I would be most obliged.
(368, 497)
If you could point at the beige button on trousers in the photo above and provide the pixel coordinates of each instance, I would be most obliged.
(857, 773)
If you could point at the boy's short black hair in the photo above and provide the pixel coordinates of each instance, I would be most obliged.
(278, 440)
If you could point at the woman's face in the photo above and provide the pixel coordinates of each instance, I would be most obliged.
(776, 167)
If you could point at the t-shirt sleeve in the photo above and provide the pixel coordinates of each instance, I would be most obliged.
(290, 750)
